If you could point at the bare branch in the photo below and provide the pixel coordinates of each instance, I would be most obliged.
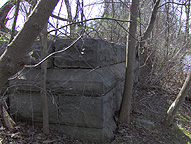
(171, 3)
(152, 21)
(89, 20)
(15, 20)
(60, 18)
(60, 51)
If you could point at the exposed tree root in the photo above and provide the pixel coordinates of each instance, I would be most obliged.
(6, 119)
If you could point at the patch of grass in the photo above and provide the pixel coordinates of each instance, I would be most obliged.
(184, 131)
(188, 117)
(184, 117)
(3, 39)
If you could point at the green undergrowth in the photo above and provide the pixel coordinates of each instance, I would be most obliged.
(184, 131)
(178, 133)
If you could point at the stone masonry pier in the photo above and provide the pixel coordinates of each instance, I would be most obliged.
(84, 87)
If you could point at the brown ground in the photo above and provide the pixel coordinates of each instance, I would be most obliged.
(149, 104)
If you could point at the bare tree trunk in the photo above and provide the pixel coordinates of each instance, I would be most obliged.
(187, 7)
(180, 21)
(151, 22)
(16, 54)
(82, 25)
(57, 22)
(4, 10)
(130, 59)
(6, 119)
(69, 11)
(15, 20)
(178, 101)
(167, 31)
(44, 53)
(77, 10)
(147, 32)
(112, 15)
(106, 7)
(3, 13)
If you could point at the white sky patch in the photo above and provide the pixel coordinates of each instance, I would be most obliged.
(92, 9)
(2, 2)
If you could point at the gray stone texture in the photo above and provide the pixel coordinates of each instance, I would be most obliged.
(87, 101)
(90, 53)
(145, 123)
(92, 134)
(28, 106)
(88, 82)
(79, 116)
(36, 49)
(84, 83)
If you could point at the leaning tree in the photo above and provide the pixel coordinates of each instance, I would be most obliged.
(16, 54)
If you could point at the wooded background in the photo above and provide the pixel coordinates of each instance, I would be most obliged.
(157, 33)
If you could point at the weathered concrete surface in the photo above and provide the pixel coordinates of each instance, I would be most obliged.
(36, 48)
(90, 53)
(84, 84)
(92, 134)
(96, 82)
(81, 111)
(77, 110)
(92, 112)
(83, 99)
(90, 118)
(28, 106)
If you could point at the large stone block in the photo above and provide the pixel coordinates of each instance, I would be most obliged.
(78, 116)
(83, 99)
(88, 82)
(28, 106)
(90, 53)
(84, 84)
(96, 135)
(79, 110)
(89, 111)
(36, 48)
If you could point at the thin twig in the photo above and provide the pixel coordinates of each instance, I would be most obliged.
(89, 20)
(17, 75)
(171, 3)
(32, 66)
(56, 52)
